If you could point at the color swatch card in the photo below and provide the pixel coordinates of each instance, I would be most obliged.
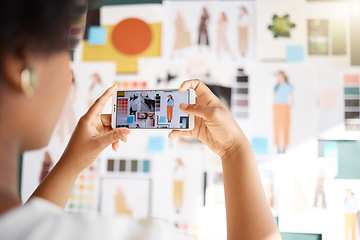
(240, 96)
(85, 193)
(134, 81)
(133, 167)
(352, 102)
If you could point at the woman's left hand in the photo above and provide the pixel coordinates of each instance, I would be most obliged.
(93, 134)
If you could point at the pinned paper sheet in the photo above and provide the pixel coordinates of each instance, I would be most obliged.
(351, 79)
(328, 99)
(97, 36)
(295, 54)
(338, 35)
(132, 32)
(156, 144)
(260, 145)
(125, 63)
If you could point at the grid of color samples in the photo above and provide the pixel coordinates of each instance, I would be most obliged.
(240, 96)
(190, 229)
(352, 102)
(122, 106)
(84, 195)
(157, 103)
(126, 85)
(128, 166)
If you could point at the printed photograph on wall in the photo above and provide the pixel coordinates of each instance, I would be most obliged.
(318, 37)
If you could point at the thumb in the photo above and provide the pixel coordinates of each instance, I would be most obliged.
(113, 136)
(197, 110)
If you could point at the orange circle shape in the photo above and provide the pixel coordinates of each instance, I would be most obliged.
(131, 36)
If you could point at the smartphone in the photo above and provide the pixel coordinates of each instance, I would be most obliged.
(152, 109)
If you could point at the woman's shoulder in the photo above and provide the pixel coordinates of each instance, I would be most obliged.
(40, 219)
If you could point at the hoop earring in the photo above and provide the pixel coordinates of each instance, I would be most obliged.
(29, 81)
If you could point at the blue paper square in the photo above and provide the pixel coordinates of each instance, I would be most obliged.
(260, 145)
(146, 166)
(156, 144)
(330, 149)
(162, 119)
(97, 35)
(183, 124)
(295, 54)
(130, 119)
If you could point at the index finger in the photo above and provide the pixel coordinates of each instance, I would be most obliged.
(98, 106)
(204, 94)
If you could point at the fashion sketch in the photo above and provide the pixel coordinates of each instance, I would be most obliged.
(350, 211)
(121, 206)
(170, 108)
(222, 40)
(319, 190)
(178, 185)
(203, 28)
(283, 102)
(182, 35)
(243, 31)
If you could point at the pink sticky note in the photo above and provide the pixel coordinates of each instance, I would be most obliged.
(328, 99)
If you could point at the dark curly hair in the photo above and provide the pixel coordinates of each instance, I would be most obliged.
(38, 25)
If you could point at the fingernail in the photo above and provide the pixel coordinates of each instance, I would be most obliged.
(115, 136)
(126, 132)
(184, 105)
(116, 148)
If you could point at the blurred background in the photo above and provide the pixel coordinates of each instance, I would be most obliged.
(288, 70)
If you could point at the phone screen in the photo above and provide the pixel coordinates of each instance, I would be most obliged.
(151, 109)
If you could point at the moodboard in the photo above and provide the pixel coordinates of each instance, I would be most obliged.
(287, 71)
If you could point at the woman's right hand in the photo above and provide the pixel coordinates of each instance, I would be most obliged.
(214, 124)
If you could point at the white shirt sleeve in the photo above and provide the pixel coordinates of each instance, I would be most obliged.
(41, 220)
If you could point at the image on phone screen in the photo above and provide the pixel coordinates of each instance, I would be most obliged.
(151, 109)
